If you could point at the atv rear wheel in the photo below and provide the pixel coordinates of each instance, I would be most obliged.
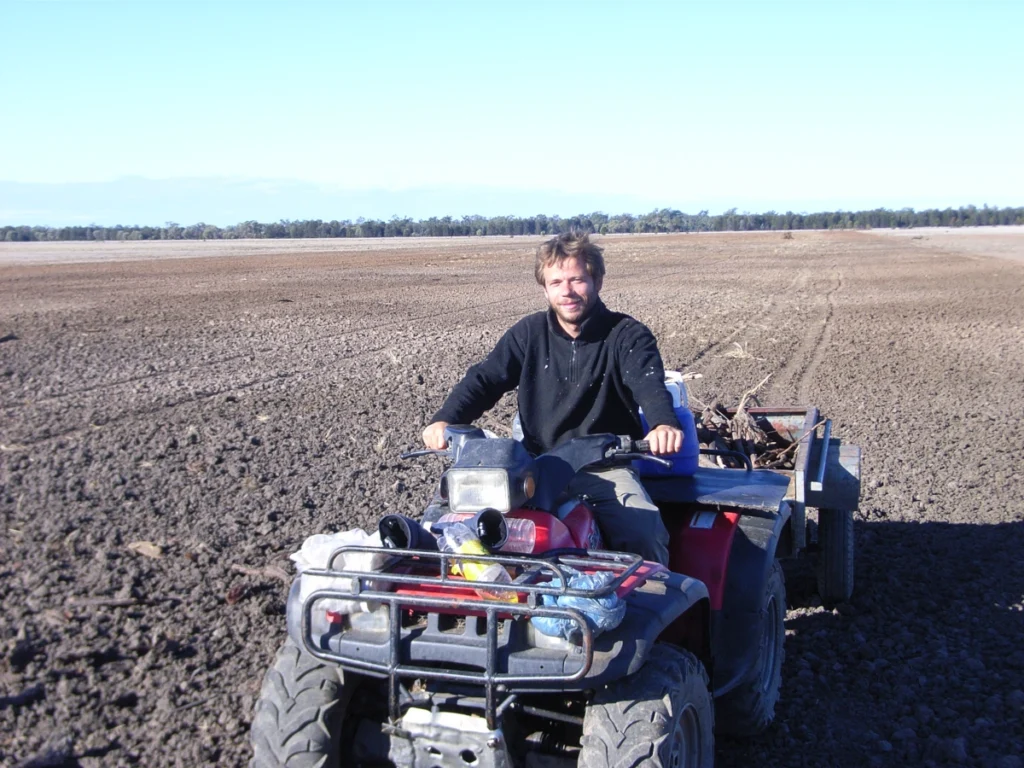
(300, 713)
(660, 716)
(749, 708)
(835, 556)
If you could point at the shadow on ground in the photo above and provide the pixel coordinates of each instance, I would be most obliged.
(925, 664)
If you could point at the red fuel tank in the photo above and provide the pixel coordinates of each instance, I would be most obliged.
(583, 527)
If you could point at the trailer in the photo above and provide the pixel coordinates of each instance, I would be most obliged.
(825, 476)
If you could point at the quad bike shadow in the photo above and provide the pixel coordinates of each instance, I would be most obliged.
(936, 612)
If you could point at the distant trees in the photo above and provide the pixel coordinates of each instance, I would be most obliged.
(658, 221)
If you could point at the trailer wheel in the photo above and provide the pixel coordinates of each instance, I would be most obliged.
(835, 556)
(300, 713)
(749, 708)
(659, 716)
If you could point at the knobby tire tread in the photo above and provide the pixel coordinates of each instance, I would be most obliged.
(747, 709)
(298, 716)
(629, 721)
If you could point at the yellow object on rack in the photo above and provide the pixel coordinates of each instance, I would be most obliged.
(460, 539)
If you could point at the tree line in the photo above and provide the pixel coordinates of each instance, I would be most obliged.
(658, 221)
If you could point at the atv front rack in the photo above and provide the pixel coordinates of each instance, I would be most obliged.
(429, 572)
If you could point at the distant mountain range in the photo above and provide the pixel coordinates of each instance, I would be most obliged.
(223, 202)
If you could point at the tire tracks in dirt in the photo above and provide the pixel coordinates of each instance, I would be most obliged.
(797, 373)
(718, 348)
(128, 415)
(208, 394)
(365, 330)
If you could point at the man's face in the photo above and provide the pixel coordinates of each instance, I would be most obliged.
(570, 291)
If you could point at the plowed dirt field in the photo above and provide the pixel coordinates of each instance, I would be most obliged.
(226, 403)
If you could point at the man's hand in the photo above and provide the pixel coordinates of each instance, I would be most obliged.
(433, 436)
(665, 440)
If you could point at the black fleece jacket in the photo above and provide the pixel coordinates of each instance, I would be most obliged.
(569, 387)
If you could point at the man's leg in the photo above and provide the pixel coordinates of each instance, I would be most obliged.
(628, 519)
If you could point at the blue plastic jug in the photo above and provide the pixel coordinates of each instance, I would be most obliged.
(684, 463)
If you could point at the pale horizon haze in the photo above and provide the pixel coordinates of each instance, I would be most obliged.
(147, 112)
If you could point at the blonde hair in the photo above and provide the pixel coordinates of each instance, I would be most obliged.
(570, 245)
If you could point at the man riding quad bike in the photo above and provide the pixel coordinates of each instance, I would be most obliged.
(406, 656)
(579, 369)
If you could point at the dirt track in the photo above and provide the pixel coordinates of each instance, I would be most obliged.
(225, 407)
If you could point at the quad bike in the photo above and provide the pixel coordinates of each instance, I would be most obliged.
(427, 672)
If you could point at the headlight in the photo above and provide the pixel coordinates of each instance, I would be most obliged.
(471, 490)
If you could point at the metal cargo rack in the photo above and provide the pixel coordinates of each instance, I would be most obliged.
(537, 576)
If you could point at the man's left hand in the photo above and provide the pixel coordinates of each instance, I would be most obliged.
(665, 440)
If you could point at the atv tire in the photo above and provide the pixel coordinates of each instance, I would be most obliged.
(835, 555)
(300, 712)
(660, 716)
(749, 708)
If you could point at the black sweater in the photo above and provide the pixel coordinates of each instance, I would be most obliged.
(569, 387)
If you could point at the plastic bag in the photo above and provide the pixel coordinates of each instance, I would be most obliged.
(315, 552)
(601, 613)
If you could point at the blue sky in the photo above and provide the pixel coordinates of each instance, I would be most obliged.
(143, 112)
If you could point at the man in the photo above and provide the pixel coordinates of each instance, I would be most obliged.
(581, 369)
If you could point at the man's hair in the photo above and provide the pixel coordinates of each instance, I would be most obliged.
(570, 245)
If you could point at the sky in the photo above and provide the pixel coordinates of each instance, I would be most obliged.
(145, 112)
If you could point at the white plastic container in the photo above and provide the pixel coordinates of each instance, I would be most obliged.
(676, 387)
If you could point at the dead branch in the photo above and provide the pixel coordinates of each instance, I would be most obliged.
(199, 703)
(743, 400)
(116, 602)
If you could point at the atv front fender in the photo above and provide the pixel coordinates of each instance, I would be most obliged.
(652, 609)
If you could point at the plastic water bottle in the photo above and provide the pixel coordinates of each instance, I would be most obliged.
(518, 535)
(459, 538)
(522, 536)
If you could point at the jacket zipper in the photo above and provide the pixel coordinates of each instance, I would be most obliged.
(572, 362)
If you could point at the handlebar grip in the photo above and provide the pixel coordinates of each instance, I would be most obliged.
(642, 446)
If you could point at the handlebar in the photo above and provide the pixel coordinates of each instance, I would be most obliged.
(625, 448)
(425, 452)
(628, 448)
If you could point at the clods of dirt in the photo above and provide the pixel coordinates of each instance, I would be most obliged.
(171, 430)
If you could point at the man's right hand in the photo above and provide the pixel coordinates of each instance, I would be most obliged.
(433, 436)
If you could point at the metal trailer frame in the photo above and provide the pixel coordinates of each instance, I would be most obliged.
(825, 475)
